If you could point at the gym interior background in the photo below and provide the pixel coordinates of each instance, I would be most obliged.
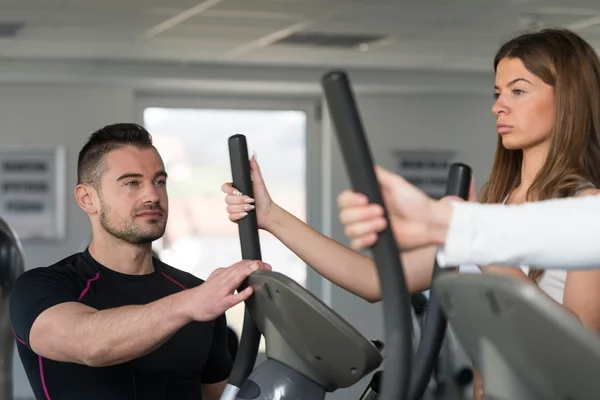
(422, 72)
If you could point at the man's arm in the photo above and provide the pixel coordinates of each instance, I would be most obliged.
(213, 391)
(73, 332)
(219, 363)
(68, 331)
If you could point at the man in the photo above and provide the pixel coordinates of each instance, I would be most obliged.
(112, 322)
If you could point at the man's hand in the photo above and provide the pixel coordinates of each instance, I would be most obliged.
(416, 219)
(217, 294)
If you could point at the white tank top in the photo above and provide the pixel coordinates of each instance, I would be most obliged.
(552, 282)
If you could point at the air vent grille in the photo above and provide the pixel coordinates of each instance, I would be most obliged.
(10, 29)
(317, 39)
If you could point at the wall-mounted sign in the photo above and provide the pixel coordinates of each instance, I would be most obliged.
(426, 169)
(32, 190)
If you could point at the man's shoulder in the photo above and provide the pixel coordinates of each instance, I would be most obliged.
(68, 268)
(66, 277)
(181, 277)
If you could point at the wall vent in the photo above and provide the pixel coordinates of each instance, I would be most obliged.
(318, 39)
(10, 29)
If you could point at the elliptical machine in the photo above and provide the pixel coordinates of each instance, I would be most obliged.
(12, 265)
(311, 350)
(526, 346)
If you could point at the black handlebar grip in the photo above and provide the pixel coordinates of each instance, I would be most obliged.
(242, 181)
(249, 240)
(434, 330)
(459, 181)
(359, 164)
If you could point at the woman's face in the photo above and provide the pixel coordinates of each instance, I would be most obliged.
(524, 106)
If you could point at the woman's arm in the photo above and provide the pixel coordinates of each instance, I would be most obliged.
(582, 297)
(582, 288)
(478, 391)
(347, 268)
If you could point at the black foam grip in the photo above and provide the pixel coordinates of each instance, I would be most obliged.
(459, 181)
(242, 181)
(434, 330)
(359, 164)
(249, 240)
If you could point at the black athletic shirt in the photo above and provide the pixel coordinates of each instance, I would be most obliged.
(196, 354)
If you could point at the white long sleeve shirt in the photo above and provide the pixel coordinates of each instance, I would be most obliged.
(552, 234)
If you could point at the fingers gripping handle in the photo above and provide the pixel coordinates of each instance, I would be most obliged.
(359, 164)
(434, 330)
(249, 240)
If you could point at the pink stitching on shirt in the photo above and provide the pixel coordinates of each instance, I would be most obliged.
(87, 287)
(178, 284)
(40, 363)
(173, 280)
(16, 337)
(43, 380)
(83, 293)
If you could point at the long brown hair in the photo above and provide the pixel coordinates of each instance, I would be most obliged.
(570, 65)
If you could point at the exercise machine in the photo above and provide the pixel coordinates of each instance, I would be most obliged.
(358, 161)
(12, 265)
(311, 350)
(525, 345)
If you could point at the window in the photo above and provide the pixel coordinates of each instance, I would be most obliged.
(193, 144)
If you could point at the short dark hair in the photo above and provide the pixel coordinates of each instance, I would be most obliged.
(102, 142)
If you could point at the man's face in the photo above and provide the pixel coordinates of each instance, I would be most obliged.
(133, 195)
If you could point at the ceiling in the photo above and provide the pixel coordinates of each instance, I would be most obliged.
(447, 34)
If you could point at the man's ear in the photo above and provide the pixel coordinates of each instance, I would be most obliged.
(87, 198)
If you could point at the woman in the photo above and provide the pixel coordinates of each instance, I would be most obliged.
(548, 121)
(548, 124)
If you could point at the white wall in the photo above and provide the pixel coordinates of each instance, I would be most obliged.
(67, 114)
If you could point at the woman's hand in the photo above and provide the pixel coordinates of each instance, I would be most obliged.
(239, 204)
